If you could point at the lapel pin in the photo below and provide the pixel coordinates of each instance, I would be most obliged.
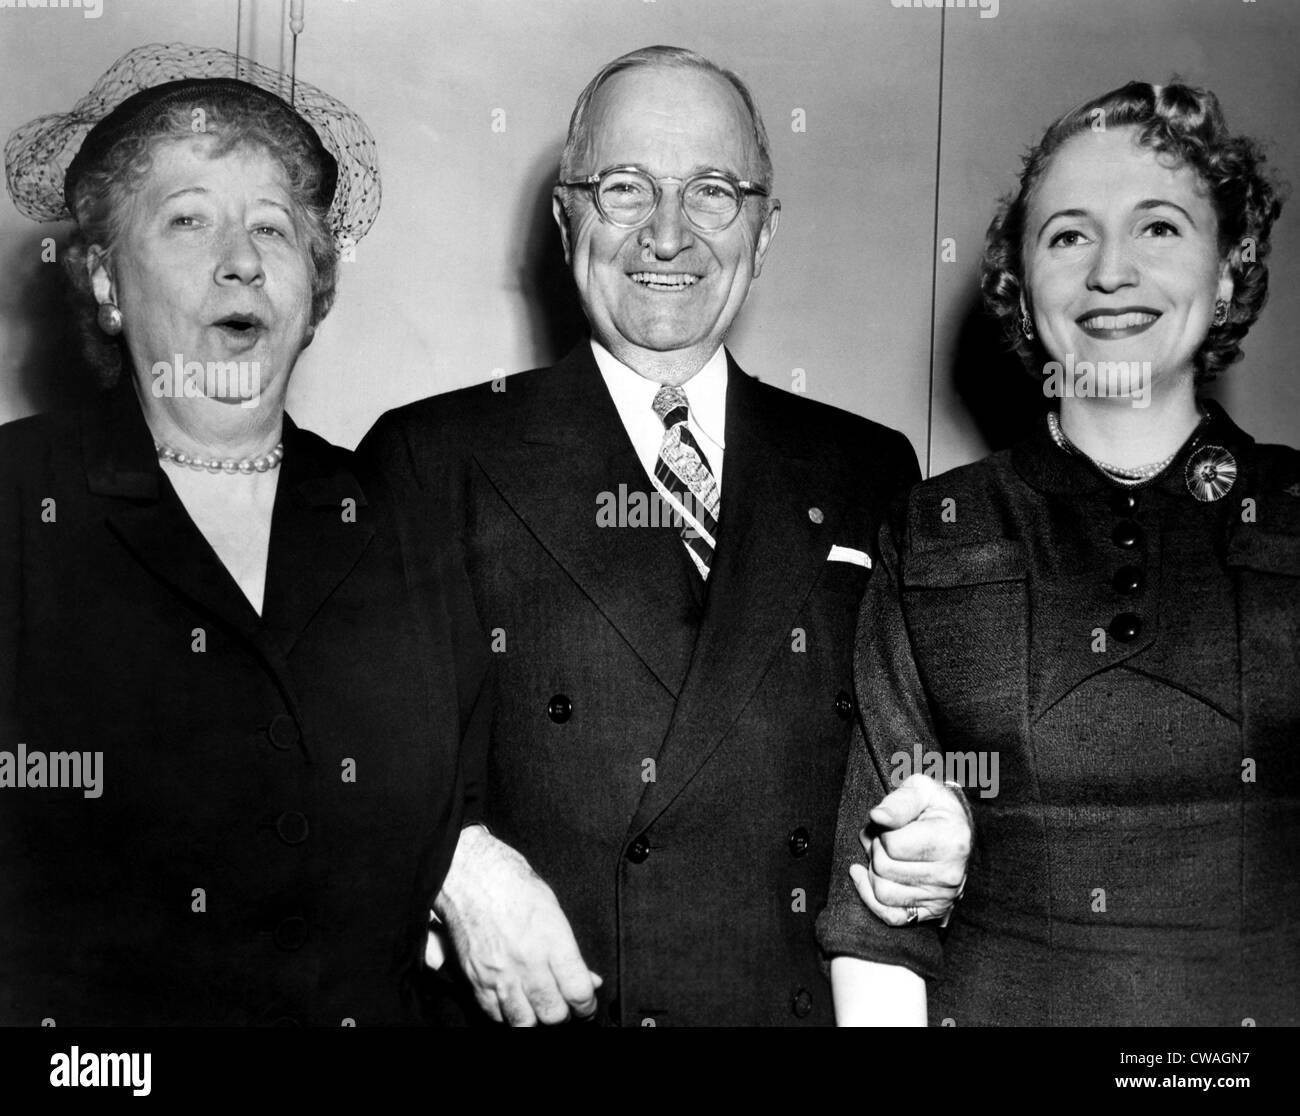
(815, 514)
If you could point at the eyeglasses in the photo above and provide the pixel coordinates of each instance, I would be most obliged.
(627, 197)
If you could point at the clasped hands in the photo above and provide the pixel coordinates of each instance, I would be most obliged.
(518, 952)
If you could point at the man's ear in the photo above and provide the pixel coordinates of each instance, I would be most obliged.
(766, 231)
(101, 276)
(562, 220)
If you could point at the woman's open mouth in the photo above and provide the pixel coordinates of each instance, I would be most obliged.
(241, 331)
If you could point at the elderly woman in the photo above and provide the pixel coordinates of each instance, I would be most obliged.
(232, 709)
(1106, 616)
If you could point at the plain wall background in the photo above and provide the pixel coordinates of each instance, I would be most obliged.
(461, 278)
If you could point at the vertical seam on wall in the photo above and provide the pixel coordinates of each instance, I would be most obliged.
(934, 250)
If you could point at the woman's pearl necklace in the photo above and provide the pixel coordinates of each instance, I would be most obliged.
(230, 465)
(1120, 473)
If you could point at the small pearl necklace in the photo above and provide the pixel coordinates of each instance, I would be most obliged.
(1121, 474)
(229, 465)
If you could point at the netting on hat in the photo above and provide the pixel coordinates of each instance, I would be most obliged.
(38, 154)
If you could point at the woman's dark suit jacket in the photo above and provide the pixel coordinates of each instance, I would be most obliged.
(1130, 659)
(280, 795)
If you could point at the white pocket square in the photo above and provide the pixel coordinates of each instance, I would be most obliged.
(848, 554)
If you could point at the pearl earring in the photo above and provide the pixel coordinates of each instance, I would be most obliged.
(109, 318)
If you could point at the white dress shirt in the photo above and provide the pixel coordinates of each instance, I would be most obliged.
(633, 395)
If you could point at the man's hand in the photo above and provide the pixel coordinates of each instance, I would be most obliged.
(918, 860)
(512, 940)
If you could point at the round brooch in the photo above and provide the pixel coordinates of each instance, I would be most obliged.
(1210, 473)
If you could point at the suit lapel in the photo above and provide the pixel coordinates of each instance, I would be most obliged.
(148, 516)
(570, 449)
(319, 531)
(770, 551)
(313, 546)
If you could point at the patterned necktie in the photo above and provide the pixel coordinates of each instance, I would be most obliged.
(686, 479)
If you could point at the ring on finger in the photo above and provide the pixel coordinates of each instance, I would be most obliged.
(913, 915)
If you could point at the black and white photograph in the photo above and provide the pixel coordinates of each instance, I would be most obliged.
(738, 515)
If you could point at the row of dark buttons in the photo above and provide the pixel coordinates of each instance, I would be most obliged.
(560, 708)
(283, 733)
(292, 828)
(798, 843)
(1128, 580)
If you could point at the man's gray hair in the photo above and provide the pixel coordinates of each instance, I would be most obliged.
(580, 124)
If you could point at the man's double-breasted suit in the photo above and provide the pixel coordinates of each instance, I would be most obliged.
(667, 755)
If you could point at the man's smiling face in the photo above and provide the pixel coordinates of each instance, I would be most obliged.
(662, 297)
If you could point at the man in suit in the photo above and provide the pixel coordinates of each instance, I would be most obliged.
(668, 556)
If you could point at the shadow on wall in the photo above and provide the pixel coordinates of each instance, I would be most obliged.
(1004, 402)
(555, 321)
(42, 359)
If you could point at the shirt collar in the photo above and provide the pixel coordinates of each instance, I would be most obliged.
(706, 391)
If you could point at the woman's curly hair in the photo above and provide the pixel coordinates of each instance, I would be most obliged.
(1187, 124)
(106, 194)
